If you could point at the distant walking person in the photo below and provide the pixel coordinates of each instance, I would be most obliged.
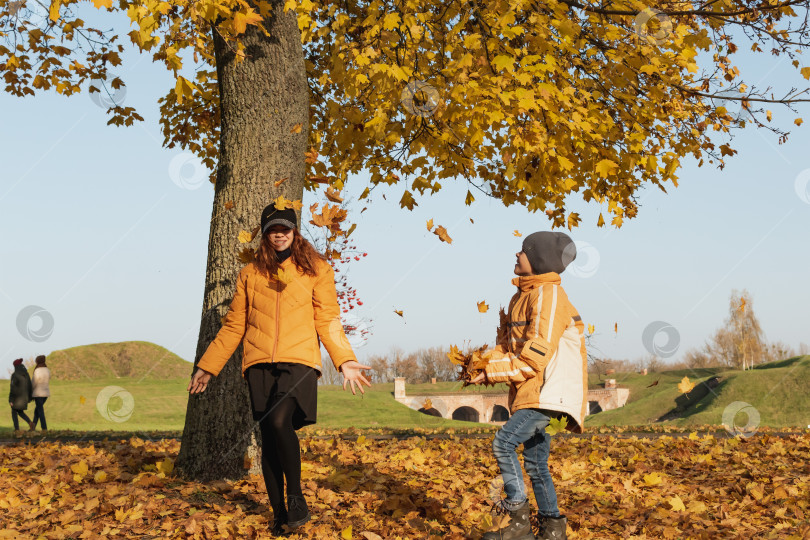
(284, 307)
(19, 394)
(41, 381)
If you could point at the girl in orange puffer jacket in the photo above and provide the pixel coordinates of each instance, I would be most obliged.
(284, 307)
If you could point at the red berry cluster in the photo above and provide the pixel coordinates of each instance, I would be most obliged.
(347, 295)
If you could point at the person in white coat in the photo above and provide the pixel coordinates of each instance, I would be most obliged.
(41, 393)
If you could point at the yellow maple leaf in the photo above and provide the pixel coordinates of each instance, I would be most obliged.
(517, 233)
(556, 425)
(100, 477)
(241, 20)
(676, 503)
(399, 312)
(166, 466)
(297, 128)
(456, 356)
(652, 479)
(102, 3)
(427, 404)
(330, 216)
(591, 329)
(82, 400)
(279, 182)
(80, 468)
(284, 276)
(229, 205)
(311, 156)
(429, 224)
(606, 167)
(346, 534)
(245, 237)
(53, 12)
(685, 386)
(183, 89)
(441, 232)
(482, 306)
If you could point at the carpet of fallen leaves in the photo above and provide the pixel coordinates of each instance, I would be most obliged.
(700, 486)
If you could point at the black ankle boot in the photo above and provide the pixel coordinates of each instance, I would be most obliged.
(279, 521)
(297, 511)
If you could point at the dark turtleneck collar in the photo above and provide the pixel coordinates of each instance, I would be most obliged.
(282, 256)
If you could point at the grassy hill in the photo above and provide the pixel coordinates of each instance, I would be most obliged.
(129, 359)
(777, 390)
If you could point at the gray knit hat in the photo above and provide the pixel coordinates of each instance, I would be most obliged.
(549, 251)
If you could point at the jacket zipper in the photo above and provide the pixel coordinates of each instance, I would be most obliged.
(278, 319)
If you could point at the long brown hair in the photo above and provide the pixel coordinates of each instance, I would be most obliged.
(40, 361)
(303, 255)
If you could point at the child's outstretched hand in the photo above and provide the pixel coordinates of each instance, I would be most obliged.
(353, 373)
(478, 379)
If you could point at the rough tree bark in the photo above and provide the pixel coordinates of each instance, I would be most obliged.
(261, 98)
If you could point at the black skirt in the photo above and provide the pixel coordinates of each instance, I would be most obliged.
(270, 383)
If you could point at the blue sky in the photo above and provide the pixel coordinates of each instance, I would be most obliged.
(96, 233)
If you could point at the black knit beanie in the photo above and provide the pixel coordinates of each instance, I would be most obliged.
(549, 251)
(272, 216)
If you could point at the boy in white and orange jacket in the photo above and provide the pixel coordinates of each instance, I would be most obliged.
(542, 355)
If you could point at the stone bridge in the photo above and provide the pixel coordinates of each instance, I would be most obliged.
(492, 408)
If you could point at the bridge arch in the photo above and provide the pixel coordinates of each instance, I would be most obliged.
(466, 414)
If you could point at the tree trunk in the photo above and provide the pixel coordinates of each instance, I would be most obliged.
(261, 98)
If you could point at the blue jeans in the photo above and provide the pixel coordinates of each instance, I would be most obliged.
(526, 426)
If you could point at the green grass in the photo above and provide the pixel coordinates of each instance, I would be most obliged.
(160, 405)
(128, 359)
(776, 390)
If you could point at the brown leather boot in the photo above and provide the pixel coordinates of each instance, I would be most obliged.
(518, 527)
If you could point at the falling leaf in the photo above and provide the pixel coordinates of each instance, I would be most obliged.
(247, 255)
(229, 205)
(742, 305)
(399, 312)
(441, 232)
(685, 386)
(429, 224)
(471, 221)
(482, 306)
(591, 329)
(427, 404)
(284, 276)
(330, 216)
(333, 195)
(653, 384)
(279, 182)
(319, 179)
(616, 327)
(245, 237)
(283, 203)
(82, 400)
(517, 233)
(556, 425)
(297, 128)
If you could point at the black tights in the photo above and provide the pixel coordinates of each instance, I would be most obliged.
(281, 453)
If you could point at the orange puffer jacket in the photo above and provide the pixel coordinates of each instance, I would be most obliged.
(543, 352)
(279, 322)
